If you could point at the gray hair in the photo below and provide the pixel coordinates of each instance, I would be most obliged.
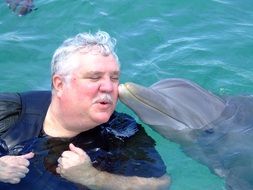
(100, 42)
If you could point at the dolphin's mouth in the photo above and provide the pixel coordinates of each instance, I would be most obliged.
(131, 92)
(130, 89)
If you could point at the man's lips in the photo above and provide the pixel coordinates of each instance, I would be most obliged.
(104, 105)
(104, 102)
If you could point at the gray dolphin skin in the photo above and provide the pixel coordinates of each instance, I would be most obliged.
(217, 132)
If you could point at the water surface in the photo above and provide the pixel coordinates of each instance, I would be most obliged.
(209, 42)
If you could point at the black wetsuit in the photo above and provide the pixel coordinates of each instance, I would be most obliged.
(120, 146)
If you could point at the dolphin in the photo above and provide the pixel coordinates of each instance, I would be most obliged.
(216, 131)
(21, 7)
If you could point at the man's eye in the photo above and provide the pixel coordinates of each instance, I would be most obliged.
(94, 78)
(115, 78)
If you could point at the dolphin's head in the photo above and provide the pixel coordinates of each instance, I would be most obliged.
(172, 106)
(148, 104)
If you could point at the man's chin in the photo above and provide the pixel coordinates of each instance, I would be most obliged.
(102, 117)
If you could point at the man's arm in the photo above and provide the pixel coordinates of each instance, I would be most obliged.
(75, 165)
(12, 168)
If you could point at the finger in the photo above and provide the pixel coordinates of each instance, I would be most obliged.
(75, 149)
(14, 180)
(68, 163)
(20, 174)
(22, 169)
(64, 162)
(59, 160)
(68, 154)
(22, 162)
(58, 170)
(25, 170)
(28, 155)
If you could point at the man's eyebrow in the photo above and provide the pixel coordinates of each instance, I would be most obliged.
(116, 72)
(101, 73)
(93, 72)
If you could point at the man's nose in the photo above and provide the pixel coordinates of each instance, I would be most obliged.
(106, 85)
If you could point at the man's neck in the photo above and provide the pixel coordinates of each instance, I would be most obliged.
(53, 127)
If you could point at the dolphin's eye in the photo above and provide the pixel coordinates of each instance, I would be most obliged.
(209, 131)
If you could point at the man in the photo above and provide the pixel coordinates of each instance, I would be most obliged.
(85, 79)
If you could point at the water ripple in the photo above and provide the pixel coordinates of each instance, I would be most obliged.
(18, 37)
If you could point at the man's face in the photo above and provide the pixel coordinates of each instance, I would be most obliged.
(91, 95)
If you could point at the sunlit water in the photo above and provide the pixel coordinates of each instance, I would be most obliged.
(209, 42)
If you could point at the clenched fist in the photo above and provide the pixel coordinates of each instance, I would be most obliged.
(13, 168)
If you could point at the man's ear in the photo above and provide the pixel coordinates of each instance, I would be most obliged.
(58, 83)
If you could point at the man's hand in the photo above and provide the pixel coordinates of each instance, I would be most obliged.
(13, 168)
(75, 165)
(72, 157)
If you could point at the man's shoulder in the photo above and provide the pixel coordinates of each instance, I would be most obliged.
(9, 103)
(13, 104)
(10, 108)
(9, 97)
(15, 98)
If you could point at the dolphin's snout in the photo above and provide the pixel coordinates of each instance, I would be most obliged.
(121, 89)
(125, 88)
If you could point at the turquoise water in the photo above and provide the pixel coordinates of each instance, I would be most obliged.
(207, 41)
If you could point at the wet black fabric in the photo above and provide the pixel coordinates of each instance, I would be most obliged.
(120, 146)
(34, 106)
(9, 110)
